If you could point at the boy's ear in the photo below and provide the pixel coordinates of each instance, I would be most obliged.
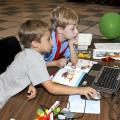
(34, 44)
(59, 29)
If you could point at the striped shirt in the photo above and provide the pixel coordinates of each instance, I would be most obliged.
(64, 47)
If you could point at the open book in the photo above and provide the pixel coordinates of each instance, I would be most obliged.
(71, 75)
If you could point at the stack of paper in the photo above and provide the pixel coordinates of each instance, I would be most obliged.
(110, 46)
(106, 50)
(78, 105)
(84, 40)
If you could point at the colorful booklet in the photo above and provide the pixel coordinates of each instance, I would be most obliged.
(82, 65)
(103, 53)
(71, 75)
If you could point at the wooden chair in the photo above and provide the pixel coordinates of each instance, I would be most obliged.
(9, 47)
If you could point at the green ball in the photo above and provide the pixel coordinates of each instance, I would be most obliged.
(110, 25)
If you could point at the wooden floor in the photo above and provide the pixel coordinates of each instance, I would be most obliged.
(19, 108)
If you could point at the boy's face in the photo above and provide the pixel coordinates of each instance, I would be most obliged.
(46, 44)
(70, 32)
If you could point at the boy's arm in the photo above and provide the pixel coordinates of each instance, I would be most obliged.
(59, 63)
(51, 63)
(31, 92)
(67, 90)
(73, 54)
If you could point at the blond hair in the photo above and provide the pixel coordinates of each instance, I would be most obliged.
(32, 30)
(63, 16)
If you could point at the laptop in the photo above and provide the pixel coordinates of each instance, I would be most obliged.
(102, 78)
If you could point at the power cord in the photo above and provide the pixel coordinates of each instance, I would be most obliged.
(82, 114)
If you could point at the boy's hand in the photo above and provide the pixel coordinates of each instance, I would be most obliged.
(61, 62)
(72, 41)
(31, 92)
(88, 92)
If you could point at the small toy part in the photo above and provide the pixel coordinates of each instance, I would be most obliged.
(66, 114)
(84, 54)
(108, 59)
(56, 104)
(40, 112)
(56, 110)
(61, 117)
(44, 114)
(45, 117)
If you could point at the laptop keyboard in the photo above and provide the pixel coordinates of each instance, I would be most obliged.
(108, 80)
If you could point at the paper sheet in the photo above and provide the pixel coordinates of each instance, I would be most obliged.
(84, 39)
(77, 105)
(111, 46)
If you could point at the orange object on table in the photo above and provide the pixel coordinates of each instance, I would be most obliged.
(108, 59)
(45, 117)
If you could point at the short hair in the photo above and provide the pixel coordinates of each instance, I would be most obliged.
(63, 16)
(32, 30)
